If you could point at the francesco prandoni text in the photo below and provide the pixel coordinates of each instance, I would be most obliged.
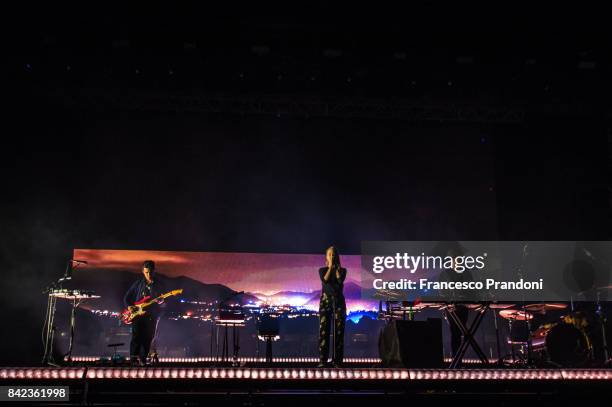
(489, 284)
(457, 264)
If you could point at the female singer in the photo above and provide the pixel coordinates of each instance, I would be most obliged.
(332, 304)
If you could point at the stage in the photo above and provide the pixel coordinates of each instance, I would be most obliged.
(166, 383)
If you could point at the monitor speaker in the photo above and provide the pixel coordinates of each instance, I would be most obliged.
(412, 344)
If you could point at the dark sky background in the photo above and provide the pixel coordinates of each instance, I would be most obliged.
(88, 176)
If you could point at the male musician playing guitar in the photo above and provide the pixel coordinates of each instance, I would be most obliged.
(144, 326)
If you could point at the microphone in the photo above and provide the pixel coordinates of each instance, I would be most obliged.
(78, 261)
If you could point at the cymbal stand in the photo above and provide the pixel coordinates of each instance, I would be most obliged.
(602, 323)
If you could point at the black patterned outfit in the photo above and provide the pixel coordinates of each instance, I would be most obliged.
(332, 303)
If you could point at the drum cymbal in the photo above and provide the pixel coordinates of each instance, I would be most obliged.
(515, 314)
(545, 307)
(501, 306)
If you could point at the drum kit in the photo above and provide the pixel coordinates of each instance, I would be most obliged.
(562, 342)
(541, 334)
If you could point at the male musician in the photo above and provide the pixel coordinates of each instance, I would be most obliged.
(144, 327)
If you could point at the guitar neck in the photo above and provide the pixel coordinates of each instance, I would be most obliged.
(163, 296)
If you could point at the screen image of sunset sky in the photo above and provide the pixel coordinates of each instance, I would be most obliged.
(266, 278)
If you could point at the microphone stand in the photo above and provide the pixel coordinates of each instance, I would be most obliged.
(530, 361)
(48, 326)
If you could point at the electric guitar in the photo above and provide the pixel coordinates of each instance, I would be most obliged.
(139, 307)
